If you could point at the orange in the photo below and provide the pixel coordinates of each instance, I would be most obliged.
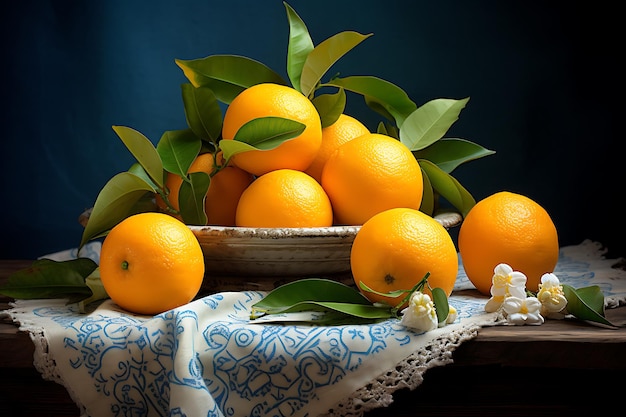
(395, 249)
(284, 198)
(203, 163)
(151, 263)
(223, 194)
(264, 100)
(344, 129)
(370, 174)
(507, 228)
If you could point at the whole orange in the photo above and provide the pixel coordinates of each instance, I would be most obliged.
(370, 174)
(395, 249)
(344, 129)
(508, 228)
(284, 198)
(223, 194)
(151, 263)
(264, 100)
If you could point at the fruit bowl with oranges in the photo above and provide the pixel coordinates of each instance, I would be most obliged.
(232, 252)
(283, 252)
(280, 182)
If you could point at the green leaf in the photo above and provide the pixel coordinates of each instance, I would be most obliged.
(203, 112)
(191, 198)
(263, 133)
(330, 106)
(307, 290)
(390, 294)
(430, 122)
(428, 196)
(227, 75)
(356, 310)
(324, 55)
(448, 187)
(406, 294)
(233, 147)
(379, 108)
(98, 292)
(300, 45)
(46, 278)
(114, 203)
(440, 299)
(387, 129)
(138, 170)
(449, 153)
(269, 132)
(592, 296)
(586, 304)
(178, 149)
(382, 129)
(144, 152)
(388, 96)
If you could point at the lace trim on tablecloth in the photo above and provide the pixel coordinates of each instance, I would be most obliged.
(408, 374)
(42, 360)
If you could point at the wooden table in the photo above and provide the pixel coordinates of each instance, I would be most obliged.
(558, 368)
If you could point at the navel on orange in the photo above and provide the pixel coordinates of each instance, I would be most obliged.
(284, 198)
(394, 250)
(370, 174)
(264, 100)
(507, 228)
(151, 263)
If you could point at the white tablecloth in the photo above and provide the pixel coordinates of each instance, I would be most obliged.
(207, 359)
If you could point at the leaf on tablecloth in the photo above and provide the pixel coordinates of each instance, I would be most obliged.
(320, 295)
(46, 278)
(586, 303)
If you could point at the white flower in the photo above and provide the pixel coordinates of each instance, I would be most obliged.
(505, 283)
(452, 315)
(420, 314)
(494, 303)
(551, 296)
(522, 311)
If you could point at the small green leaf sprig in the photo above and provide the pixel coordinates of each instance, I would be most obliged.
(340, 303)
(76, 280)
(216, 80)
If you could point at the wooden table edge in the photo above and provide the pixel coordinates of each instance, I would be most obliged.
(556, 343)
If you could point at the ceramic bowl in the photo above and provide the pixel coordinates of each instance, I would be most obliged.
(282, 252)
(279, 252)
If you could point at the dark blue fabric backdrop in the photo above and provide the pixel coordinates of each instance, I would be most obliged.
(546, 87)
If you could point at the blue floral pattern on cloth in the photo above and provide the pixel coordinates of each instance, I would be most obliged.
(208, 359)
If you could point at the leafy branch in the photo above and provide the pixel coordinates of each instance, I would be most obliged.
(338, 302)
(216, 80)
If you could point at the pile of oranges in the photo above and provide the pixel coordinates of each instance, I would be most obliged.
(343, 174)
(303, 182)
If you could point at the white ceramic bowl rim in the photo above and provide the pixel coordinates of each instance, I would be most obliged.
(446, 219)
(276, 233)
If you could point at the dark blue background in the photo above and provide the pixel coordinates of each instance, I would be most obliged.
(545, 85)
